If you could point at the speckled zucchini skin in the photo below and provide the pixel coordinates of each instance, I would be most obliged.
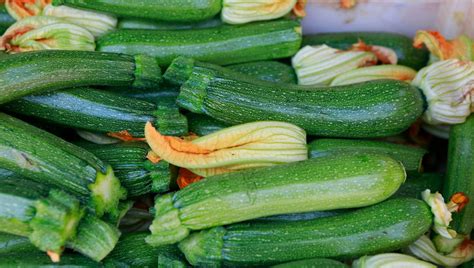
(41, 260)
(313, 263)
(36, 72)
(387, 226)
(134, 23)
(5, 19)
(371, 109)
(460, 172)
(163, 10)
(272, 71)
(222, 45)
(402, 45)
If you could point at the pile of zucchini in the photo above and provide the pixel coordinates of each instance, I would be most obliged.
(190, 134)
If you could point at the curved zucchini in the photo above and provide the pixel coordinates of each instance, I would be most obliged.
(402, 45)
(99, 111)
(169, 10)
(36, 72)
(272, 71)
(460, 173)
(5, 19)
(221, 45)
(134, 23)
(317, 184)
(410, 156)
(42, 157)
(348, 235)
(312, 263)
(136, 173)
(370, 109)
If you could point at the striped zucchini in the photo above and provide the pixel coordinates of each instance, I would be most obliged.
(352, 234)
(402, 45)
(134, 23)
(460, 173)
(99, 111)
(36, 72)
(42, 157)
(316, 184)
(136, 173)
(312, 263)
(411, 157)
(370, 109)
(169, 10)
(221, 45)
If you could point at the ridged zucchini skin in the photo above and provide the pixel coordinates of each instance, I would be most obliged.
(41, 260)
(133, 23)
(417, 183)
(99, 111)
(370, 109)
(329, 183)
(272, 71)
(410, 156)
(349, 235)
(42, 157)
(5, 19)
(136, 173)
(221, 45)
(40, 71)
(169, 10)
(402, 45)
(313, 263)
(133, 251)
(460, 173)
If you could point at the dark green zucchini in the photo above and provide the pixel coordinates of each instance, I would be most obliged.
(370, 109)
(312, 263)
(402, 45)
(302, 216)
(14, 244)
(410, 156)
(222, 45)
(42, 157)
(133, 23)
(460, 173)
(99, 111)
(169, 10)
(5, 19)
(133, 251)
(131, 166)
(38, 260)
(417, 183)
(348, 235)
(203, 125)
(272, 71)
(160, 92)
(36, 72)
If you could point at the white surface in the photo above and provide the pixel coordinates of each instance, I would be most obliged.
(450, 17)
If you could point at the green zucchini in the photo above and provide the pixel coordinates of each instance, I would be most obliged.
(348, 235)
(5, 19)
(417, 183)
(36, 72)
(402, 45)
(136, 173)
(169, 10)
(370, 109)
(303, 216)
(42, 157)
(99, 111)
(134, 23)
(133, 251)
(221, 45)
(37, 260)
(411, 157)
(460, 173)
(13, 244)
(203, 125)
(155, 95)
(326, 183)
(312, 263)
(272, 71)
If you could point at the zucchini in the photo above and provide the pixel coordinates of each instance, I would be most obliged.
(417, 183)
(36, 72)
(42, 157)
(303, 216)
(133, 251)
(312, 263)
(5, 19)
(402, 45)
(99, 111)
(52, 220)
(272, 71)
(221, 45)
(348, 235)
(134, 23)
(136, 173)
(169, 10)
(316, 184)
(460, 173)
(36, 260)
(370, 109)
(13, 244)
(203, 125)
(410, 156)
